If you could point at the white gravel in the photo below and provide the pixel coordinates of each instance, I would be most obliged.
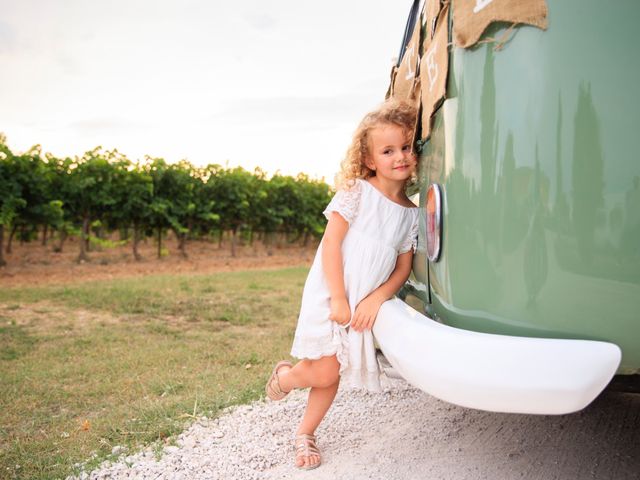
(401, 433)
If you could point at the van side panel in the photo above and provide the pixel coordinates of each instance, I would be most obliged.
(537, 151)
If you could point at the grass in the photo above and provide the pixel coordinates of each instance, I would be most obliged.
(130, 362)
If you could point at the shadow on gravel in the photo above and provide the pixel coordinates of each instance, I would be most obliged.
(601, 441)
(403, 434)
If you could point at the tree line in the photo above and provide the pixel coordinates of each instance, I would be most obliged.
(103, 192)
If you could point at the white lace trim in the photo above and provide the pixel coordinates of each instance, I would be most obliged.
(346, 203)
(368, 379)
(411, 242)
(336, 343)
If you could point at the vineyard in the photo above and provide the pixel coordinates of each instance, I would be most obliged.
(104, 199)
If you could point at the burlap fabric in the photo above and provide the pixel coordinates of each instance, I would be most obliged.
(431, 11)
(403, 77)
(434, 67)
(472, 17)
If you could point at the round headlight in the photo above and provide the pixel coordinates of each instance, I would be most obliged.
(434, 221)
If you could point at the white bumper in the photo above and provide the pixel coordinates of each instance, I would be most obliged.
(493, 372)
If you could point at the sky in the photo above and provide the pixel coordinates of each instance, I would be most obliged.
(279, 84)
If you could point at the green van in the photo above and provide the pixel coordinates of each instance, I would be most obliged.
(525, 291)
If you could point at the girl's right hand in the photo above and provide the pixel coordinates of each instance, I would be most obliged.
(340, 311)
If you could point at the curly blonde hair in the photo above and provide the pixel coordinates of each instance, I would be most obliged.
(391, 112)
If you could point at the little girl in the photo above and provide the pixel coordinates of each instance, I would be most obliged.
(364, 258)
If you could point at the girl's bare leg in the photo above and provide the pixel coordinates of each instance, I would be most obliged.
(318, 403)
(322, 372)
(323, 377)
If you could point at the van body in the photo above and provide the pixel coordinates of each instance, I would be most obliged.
(534, 153)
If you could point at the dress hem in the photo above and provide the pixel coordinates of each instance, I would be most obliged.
(301, 356)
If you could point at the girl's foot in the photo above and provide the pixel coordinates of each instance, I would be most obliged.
(273, 389)
(307, 453)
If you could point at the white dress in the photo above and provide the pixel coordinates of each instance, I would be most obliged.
(379, 230)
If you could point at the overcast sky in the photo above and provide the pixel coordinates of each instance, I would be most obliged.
(275, 83)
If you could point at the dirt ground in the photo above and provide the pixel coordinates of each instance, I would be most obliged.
(401, 434)
(34, 264)
(423, 438)
(414, 436)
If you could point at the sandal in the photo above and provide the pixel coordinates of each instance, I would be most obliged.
(306, 446)
(272, 389)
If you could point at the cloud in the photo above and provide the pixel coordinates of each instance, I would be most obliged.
(302, 112)
(67, 63)
(260, 21)
(8, 38)
(98, 125)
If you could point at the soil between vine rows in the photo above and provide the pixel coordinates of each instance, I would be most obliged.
(34, 264)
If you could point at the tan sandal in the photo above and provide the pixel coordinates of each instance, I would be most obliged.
(306, 446)
(272, 389)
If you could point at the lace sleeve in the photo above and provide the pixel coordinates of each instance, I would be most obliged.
(346, 203)
(411, 242)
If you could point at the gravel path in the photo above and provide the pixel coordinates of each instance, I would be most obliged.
(401, 434)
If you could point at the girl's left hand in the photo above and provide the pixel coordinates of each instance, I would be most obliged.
(366, 313)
